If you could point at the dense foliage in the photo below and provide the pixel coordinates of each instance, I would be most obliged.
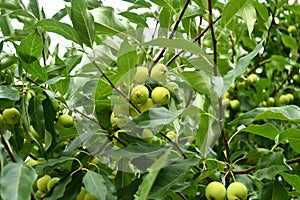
(222, 104)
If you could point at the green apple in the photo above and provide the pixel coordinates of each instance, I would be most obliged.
(291, 28)
(1, 121)
(11, 116)
(134, 112)
(118, 121)
(241, 85)
(81, 194)
(236, 191)
(271, 101)
(284, 99)
(147, 105)
(226, 95)
(215, 191)
(42, 183)
(235, 104)
(226, 102)
(172, 87)
(263, 104)
(252, 78)
(66, 121)
(159, 72)
(291, 97)
(160, 95)
(296, 78)
(52, 182)
(139, 94)
(89, 196)
(141, 75)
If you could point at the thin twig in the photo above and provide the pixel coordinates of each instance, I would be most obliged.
(161, 54)
(194, 40)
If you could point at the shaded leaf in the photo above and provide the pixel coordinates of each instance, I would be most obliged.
(31, 48)
(198, 81)
(95, 184)
(127, 57)
(135, 18)
(292, 179)
(9, 92)
(106, 22)
(83, 22)
(63, 29)
(293, 136)
(273, 191)
(16, 181)
(267, 130)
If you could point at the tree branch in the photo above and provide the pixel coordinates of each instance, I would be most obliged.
(6, 146)
(161, 54)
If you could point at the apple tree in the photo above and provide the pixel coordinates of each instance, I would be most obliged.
(166, 99)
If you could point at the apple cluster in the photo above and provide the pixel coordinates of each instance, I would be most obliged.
(9, 118)
(217, 191)
(84, 195)
(150, 88)
(44, 184)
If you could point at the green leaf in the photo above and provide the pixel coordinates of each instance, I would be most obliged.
(36, 70)
(36, 113)
(198, 81)
(289, 41)
(83, 22)
(241, 66)
(31, 48)
(179, 43)
(166, 18)
(63, 29)
(95, 184)
(289, 113)
(142, 3)
(134, 18)
(35, 8)
(106, 22)
(149, 179)
(248, 14)
(16, 181)
(269, 165)
(166, 4)
(10, 4)
(127, 57)
(231, 9)
(154, 118)
(9, 92)
(169, 176)
(293, 136)
(267, 130)
(292, 179)
(274, 191)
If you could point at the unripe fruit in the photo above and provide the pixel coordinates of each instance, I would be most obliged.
(172, 87)
(271, 101)
(291, 97)
(160, 95)
(226, 102)
(1, 121)
(263, 104)
(88, 196)
(118, 121)
(283, 99)
(81, 195)
(133, 112)
(252, 78)
(241, 85)
(171, 135)
(52, 182)
(291, 28)
(296, 78)
(66, 121)
(215, 191)
(236, 191)
(235, 104)
(11, 116)
(147, 105)
(42, 183)
(141, 75)
(159, 72)
(139, 94)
